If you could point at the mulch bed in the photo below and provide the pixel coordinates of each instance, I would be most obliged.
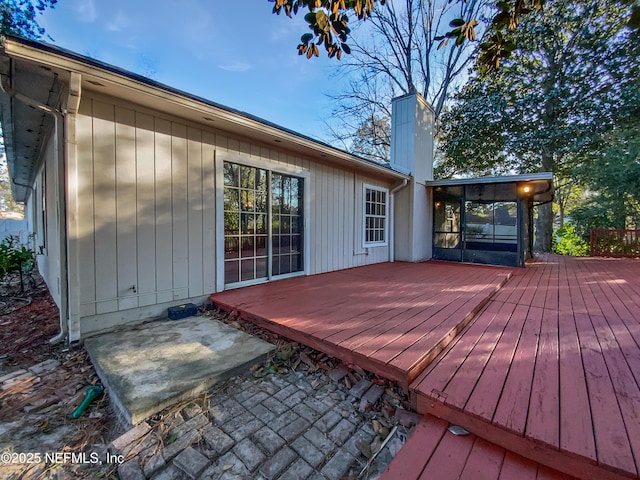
(36, 405)
(27, 321)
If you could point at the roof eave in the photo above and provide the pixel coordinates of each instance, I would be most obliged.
(70, 61)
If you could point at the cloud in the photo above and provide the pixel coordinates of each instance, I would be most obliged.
(236, 67)
(86, 11)
(119, 22)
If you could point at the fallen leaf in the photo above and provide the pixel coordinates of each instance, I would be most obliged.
(364, 448)
(307, 360)
(324, 366)
(376, 426)
(376, 445)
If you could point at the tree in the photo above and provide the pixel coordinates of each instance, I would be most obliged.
(18, 17)
(567, 195)
(612, 174)
(551, 102)
(7, 202)
(329, 20)
(397, 52)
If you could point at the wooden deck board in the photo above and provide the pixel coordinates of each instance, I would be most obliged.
(561, 382)
(450, 457)
(415, 454)
(576, 431)
(486, 394)
(513, 406)
(515, 466)
(484, 461)
(459, 387)
(413, 303)
(543, 421)
(431, 452)
(390, 318)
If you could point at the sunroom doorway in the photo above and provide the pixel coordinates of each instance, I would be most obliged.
(263, 224)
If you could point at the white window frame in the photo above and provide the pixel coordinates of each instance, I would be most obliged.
(365, 244)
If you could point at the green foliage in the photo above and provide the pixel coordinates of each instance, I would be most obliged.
(617, 243)
(14, 257)
(18, 17)
(552, 100)
(600, 211)
(7, 202)
(568, 242)
(327, 18)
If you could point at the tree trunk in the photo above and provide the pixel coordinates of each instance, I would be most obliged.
(544, 228)
(544, 222)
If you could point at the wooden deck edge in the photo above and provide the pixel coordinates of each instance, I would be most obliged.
(545, 454)
(422, 364)
(343, 354)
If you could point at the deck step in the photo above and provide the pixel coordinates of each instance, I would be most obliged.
(434, 452)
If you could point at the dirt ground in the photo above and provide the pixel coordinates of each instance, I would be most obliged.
(40, 386)
(27, 321)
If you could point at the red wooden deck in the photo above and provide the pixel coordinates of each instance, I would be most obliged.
(391, 318)
(434, 453)
(550, 369)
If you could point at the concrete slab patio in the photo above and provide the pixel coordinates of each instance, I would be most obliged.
(152, 366)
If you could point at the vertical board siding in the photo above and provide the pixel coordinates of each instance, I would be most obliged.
(146, 210)
(148, 207)
(104, 191)
(126, 220)
(163, 213)
(208, 212)
(48, 230)
(84, 129)
(180, 211)
(194, 196)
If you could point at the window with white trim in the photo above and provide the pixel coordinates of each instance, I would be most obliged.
(375, 211)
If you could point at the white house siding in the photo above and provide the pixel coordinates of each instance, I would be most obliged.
(47, 233)
(147, 210)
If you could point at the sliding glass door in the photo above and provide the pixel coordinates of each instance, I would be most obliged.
(263, 224)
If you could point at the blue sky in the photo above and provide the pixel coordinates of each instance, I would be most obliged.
(236, 53)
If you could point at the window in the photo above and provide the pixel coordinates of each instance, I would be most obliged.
(245, 223)
(263, 224)
(375, 216)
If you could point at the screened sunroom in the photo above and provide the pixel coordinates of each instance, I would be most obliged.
(487, 220)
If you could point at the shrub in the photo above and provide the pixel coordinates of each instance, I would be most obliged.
(568, 242)
(14, 257)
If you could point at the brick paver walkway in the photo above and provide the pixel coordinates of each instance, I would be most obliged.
(279, 426)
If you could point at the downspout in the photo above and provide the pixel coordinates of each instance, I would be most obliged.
(356, 248)
(58, 149)
(392, 218)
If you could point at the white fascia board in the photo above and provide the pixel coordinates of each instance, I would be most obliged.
(56, 60)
